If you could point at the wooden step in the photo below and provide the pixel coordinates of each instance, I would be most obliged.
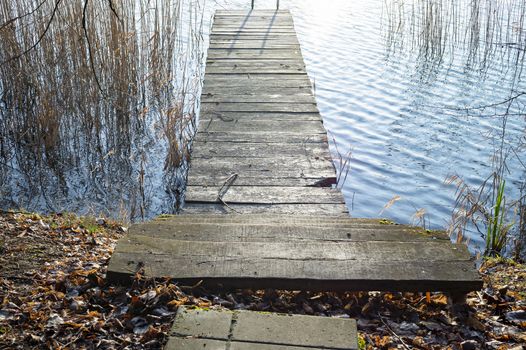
(298, 253)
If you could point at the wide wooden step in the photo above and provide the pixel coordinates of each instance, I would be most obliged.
(298, 253)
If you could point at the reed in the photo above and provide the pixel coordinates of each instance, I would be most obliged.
(86, 87)
(491, 30)
(498, 228)
(485, 208)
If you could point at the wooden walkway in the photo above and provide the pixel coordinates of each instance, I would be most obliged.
(261, 210)
(261, 138)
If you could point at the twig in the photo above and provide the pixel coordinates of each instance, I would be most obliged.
(191, 287)
(112, 8)
(496, 104)
(393, 333)
(40, 38)
(90, 51)
(224, 189)
(17, 18)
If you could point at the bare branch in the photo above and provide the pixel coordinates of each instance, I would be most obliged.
(48, 25)
(17, 18)
(90, 52)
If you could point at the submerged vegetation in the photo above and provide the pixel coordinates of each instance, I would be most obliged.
(91, 94)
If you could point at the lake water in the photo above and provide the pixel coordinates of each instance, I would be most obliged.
(389, 92)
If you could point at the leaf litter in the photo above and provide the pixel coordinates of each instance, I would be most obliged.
(54, 295)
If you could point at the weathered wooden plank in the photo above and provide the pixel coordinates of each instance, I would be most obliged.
(261, 29)
(277, 167)
(253, 17)
(259, 150)
(273, 219)
(258, 16)
(255, 180)
(262, 98)
(254, 116)
(235, 88)
(239, 125)
(260, 42)
(289, 209)
(258, 55)
(243, 24)
(209, 91)
(252, 12)
(252, 63)
(258, 107)
(259, 64)
(254, 54)
(232, 37)
(262, 176)
(289, 229)
(347, 251)
(276, 219)
(317, 266)
(281, 162)
(251, 79)
(258, 31)
(261, 17)
(271, 19)
(252, 31)
(254, 82)
(255, 137)
(262, 69)
(284, 232)
(253, 36)
(250, 45)
(265, 195)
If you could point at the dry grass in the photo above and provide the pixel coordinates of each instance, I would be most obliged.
(85, 85)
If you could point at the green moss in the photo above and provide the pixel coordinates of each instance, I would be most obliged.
(495, 260)
(386, 222)
(362, 345)
(164, 216)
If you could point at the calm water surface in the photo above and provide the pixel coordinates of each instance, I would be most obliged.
(389, 93)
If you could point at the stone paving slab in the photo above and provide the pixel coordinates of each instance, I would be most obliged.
(247, 330)
(209, 324)
(300, 330)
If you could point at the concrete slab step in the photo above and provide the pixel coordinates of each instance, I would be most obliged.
(244, 330)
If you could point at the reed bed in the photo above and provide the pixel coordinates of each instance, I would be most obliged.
(94, 94)
(491, 30)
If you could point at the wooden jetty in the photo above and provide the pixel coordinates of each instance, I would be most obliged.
(261, 207)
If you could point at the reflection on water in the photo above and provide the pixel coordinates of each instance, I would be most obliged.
(393, 79)
(398, 81)
(95, 116)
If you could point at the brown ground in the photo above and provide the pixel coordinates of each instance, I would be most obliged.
(53, 296)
